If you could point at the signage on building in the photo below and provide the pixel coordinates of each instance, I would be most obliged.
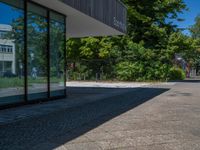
(119, 24)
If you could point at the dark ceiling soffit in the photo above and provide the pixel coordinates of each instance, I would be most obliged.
(109, 12)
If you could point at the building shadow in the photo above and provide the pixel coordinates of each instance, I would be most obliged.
(62, 126)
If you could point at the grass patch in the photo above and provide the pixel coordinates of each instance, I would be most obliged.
(11, 82)
(17, 82)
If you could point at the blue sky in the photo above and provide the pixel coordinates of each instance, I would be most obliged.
(6, 18)
(189, 16)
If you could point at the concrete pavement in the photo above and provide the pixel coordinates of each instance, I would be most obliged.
(158, 117)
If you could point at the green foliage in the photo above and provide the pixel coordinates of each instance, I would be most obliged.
(106, 46)
(89, 48)
(147, 51)
(127, 71)
(147, 20)
(195, 29)
(195, 32)
(176, 74)
(185, 46)
(73, 51)
(11, 82)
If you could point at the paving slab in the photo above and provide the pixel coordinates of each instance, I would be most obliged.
(156, 117)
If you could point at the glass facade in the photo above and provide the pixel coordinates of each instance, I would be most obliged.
(32, 50)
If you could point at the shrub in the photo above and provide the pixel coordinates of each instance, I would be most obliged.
(176, 74)
(127, 71)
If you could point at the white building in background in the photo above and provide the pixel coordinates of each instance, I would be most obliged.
(7, 51)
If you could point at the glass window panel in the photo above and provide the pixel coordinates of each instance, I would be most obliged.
(8, 66)
(11, 64)
(57, 40)
(37, 52)
(35, 9)
(57, 17)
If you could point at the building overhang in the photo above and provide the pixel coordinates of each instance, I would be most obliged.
(87, 18)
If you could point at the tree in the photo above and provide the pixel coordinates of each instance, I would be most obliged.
(149, 20)
(145, 53)
(182, 44)
(195, 29)
(195, 33)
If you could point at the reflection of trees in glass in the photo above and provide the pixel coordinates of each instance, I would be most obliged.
(57, 48)
(37, 43)
(37, 38)
(17, 35)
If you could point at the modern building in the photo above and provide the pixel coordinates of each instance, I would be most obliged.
(34, 47)
(7, 51)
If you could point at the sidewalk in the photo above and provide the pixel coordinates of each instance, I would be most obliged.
(142, 118)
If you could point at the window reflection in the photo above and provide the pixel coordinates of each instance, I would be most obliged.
(11, 52)
(37, 52)
(57, 39)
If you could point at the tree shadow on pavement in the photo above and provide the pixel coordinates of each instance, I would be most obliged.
(52, 130)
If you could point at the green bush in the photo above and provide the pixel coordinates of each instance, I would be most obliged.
(176, 74)
(127, 71)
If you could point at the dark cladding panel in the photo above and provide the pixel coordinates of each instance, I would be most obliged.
(110, 12)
